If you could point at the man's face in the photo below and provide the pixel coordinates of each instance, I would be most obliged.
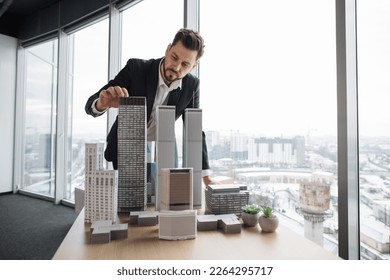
(179, 61)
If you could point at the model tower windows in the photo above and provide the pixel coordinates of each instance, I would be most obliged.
(132, 182)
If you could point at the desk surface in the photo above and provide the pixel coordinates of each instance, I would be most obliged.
(143, 244)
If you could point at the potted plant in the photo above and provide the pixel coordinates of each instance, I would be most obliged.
(268, 221)
(250, 214)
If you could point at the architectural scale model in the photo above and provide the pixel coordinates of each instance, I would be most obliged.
(192, 151)
(226, 199)
(100, 186)
(165, 144)
(176, 189)
(230, 223)
(79, 198)
(151, 171)
(105, 231)
(132, 162)
(144, 218)
(177, 225)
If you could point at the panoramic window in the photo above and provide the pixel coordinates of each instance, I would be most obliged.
(268, 93)
(148, 27)
(373, 27)
(90, 72)
(40, 118)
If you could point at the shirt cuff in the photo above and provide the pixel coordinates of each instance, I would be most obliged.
(95, 111)
(206, 172)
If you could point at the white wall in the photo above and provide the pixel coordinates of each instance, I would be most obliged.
(8, 52)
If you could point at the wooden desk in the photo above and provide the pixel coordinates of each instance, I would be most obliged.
(143, 244)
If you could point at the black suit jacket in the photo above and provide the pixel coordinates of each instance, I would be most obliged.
(140, 78)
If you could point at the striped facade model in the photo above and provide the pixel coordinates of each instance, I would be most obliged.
(132, 164)
(101, 186)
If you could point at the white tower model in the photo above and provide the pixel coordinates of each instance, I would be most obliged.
(192, 151)
(100, 186)
(132, 182)
(165, 144)
(176, 189)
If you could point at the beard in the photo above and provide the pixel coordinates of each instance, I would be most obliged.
(170, 74)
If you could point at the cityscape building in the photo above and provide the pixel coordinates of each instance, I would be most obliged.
(277, 150)
(314, 206)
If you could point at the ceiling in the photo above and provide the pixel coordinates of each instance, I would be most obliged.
(13, 13)
(23, 7)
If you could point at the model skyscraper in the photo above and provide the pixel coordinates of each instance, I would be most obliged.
(176, 189)
(100, 186)
(132, 182)
(192, 151)
(165, 144)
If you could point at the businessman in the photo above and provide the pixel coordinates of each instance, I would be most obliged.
(163, 81)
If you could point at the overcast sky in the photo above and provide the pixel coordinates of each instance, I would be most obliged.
(269, 66)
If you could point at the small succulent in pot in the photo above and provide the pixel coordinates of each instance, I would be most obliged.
(250, 214)
(267, 211)
(268, 221)
(251, 209)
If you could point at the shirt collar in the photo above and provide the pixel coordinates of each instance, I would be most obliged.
(174, 85)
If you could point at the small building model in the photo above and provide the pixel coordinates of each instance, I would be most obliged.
(79, 199)
(144, 218)
(226, 199)
(177, 225)
(229, 223)
(176, 189)
(105, 231)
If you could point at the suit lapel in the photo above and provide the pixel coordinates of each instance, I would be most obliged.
(151, 86)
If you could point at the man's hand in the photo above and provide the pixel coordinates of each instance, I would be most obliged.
(207, 181)
(110, 98)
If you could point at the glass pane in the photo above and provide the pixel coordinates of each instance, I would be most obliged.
(40, 125)
(90, 72)
(148, 27)
(374, 121)
(268, 86)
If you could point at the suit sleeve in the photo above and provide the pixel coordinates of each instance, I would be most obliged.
(121, 79)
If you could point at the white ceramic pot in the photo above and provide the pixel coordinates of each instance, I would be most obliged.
(250, 220)
(268, 224)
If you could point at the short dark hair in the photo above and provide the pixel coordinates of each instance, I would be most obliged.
(191, 40)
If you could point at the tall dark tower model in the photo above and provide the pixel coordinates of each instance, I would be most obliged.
(192, 151)
(165, 144)
(132, 182)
